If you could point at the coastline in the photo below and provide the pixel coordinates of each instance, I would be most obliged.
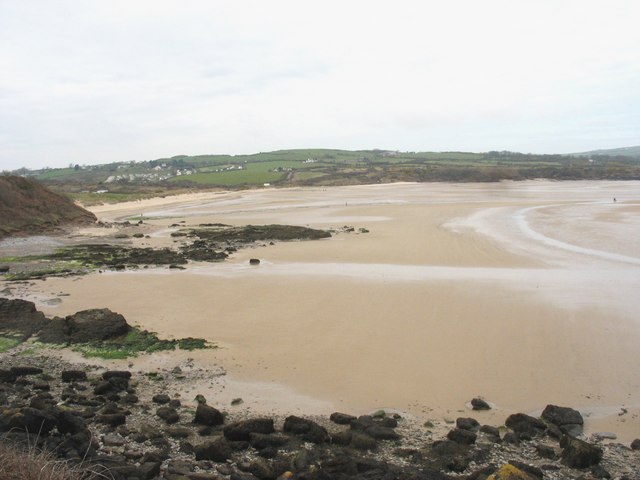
(424, 305)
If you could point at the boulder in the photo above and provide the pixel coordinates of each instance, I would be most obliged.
(20, 318)
(579, 454)
(113, 419)
(470, 424)
(480, 404)
(254, 261)
(341, 418)
(209, 416)
(84, 327)
(525, 425)
(161, 398)
(69, 376)
(168, 414)
(264, 440)
(567, 419)
(635, 445)
(31, 420)
(308, 430)
(461, 436)
(217, 450)
(241, 431)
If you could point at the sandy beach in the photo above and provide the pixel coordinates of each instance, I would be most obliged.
(525, 293)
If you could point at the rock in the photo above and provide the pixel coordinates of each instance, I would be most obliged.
(242, 430)
(21, 318)
(108, 375)
(524, 424)
(70, 422)
(254, 261)
(161, 398)
(263, 440)
(567, 419)
(25, 370)
(149, 470)
(341, 418)
(461, 436)
(579, 454)
(217, 450)
(206, 415)
(635, 445)
(490, 430)
(361, 441)
(261, 469)
(545, 451)
(480, 404)
(599, 471)
(69, 376)
(604, 436)
(113, 440)
(30, 420)
(4, 268)
(113, 419)
(381, 433)
(168, 414)
(308, 430)
(179, 432)
(84, 327)
(470, 424)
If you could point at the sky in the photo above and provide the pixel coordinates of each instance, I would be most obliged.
(93, 81)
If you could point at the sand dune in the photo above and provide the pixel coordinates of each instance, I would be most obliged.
(525, 293)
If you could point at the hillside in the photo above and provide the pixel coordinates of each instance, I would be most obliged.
(614, 152)
(28, 207)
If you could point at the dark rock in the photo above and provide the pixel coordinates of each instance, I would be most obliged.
(308, 430)
(161, 398)
(113, 419)
(490, 430)
(635, 445)
(242, 430)
(263, 440)
(341, 418)
(254, 261)
(525, 424)
(168, 414)
(261, 469)
(599, 471)
(511, 438)
(20, 317)
(217, 450)
(206, 415)
(179, 432)
(70, 422)
(25, 370)
(175, 403)
(361, 441)
(470, 424)
(342, 438)
(381, 433)
(452, 455)
(464, 437)
(567, 419)
(108, 375)
(544, 451)
(579, 454)
(69, 376)
(30, 420)
(84, 327)
(150, 470)
(480, 404)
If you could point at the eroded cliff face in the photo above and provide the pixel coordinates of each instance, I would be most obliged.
(27, 208)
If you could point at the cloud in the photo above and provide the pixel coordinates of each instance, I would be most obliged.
(87, 82)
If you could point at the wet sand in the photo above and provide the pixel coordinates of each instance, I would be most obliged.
(524, 293)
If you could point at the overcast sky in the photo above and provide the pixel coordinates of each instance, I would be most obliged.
(89, 82)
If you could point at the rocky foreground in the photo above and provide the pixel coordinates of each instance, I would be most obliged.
(144, 425)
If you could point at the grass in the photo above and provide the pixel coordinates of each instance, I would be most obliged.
(7, 344)
(32, 464)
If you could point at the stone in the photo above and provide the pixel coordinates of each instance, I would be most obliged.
(84, 327)
(254, 261)
(260, 441)
(577, 453)
(113, 419)
(30, 420)
(21, 318)
(480, 404)
(168, 414)
(381, 433)
(69, 376)
(161, 398)
(461, 436)
(341, 418)
(511, 472)
(308, 430)
(635, 445)
(525, 424)
(567, 419)
(113, 440)
(361, 441)
(242, 430)
(470, 424)
(217, 450)
(209, 416)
